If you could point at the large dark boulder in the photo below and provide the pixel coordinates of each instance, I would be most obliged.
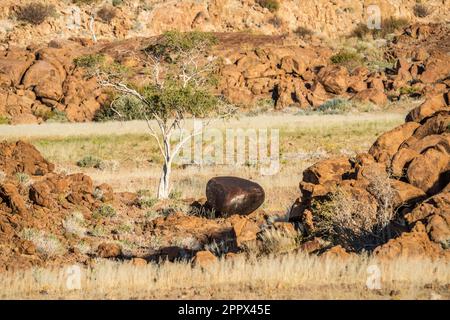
(232, 195)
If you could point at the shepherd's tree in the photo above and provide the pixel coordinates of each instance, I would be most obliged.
(178, 88)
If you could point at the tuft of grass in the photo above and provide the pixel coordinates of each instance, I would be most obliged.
(107, 13)
(145, 199)
(271, 5)
(90, 162)
(74, 224)
(388, 26)
(90, 60)
(85, 2)
(4, 120)
(35, 13)
(105, 211)
(117, 3)
(420, 10)
(345, 56)
(46, 244)
(22, 178)
(303, 32)
(335, 106)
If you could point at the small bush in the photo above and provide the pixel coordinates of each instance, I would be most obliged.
(344, 57)
(145, 200)
(57, 116)
(90, 162)
(23, 178)
(276, 21)
(271, 5)
(123, 107)
(2, 176)
(303, 32)
(175, 194)
(421, 11)
(276, 241)
(354, 222)
(117, 3)
(335, 106)
(85, 1)
(105, 211)
(106, 13)
(388, 26)
(4, 120)
(35, 13)
(74, 224)
(47, 244)
(90, 61)
(175, 41)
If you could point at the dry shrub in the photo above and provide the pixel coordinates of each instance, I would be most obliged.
(356, 221)
(35, 13)
(46, 244)
(271, 5)
(421, 11)
(106, 13)
(388, 26)
(278, 241)
(303, 32)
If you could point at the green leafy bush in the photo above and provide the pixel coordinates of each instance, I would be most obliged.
(35, 13)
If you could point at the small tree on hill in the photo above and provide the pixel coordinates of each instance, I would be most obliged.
(182, 74)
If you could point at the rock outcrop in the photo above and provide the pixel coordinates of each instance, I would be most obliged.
(411, 165)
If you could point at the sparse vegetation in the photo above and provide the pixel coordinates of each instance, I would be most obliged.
(4, 120)
(107, 13)
(90, 60)
(356, 223)
(91, 162)
(104, 211)
(388, 26)
(22, 178)
(46, 244)
(35, 13)
(421, 10)
(303, 32)
(346, 57)
(271, 5)
(74, 224)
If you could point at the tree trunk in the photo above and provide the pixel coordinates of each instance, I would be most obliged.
(164, 182)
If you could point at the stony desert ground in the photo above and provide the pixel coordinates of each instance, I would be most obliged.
(360, 205)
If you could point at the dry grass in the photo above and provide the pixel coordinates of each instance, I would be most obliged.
(293, 276)
(134, 159)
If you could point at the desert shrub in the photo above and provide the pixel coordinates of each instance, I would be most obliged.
(277, 241)
(46, 244)
(145, 200)
(275, 21)
(335, 106)
(84, 247)
(85, 1)
(90, 162)
(106, 13)
(57, 116)
(105, 211)
(90, 60)
(345, 56)
(421, 10)
(219, 247)
(303, 32)
(117, 3)
(35, 13)
(2, 176)
(271, 5)
(4, 120)
(354, 222)
(388, 26)
(175, 194)
(22, 178)
(408, 90)
(74, 224)
(174, 41)
(122, 107)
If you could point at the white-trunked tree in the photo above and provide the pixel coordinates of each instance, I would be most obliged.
(182, 75)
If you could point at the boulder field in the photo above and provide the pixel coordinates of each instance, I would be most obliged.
(49, 218)
(42, 83)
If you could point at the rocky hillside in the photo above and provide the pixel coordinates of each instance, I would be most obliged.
(133, 18)
(46, 83)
